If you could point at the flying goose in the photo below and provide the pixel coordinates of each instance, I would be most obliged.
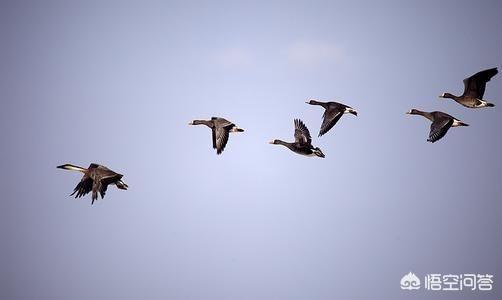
(474, 89)
(96, 179)
(441, 123)
(303, 142)
(333, 111)
(220, 128)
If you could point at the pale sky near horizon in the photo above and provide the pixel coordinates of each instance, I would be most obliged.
(116, 83)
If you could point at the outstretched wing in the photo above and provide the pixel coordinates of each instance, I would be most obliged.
(221, 132)
(330, 117)
(475, 85)
(107, 180)
(439, 128)
(220, 138)
(302, 134)
(95, 188)
(83, 187)
(102, 178)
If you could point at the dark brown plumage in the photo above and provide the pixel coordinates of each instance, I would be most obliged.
(221, 129)
(96, 179)
(474, 90)
(441, 123)
(333, 111)
(303, 142)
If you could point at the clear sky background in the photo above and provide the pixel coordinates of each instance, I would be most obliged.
(116, 83)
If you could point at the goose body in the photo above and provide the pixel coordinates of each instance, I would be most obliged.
(441, 123)
(96, 180)
(303, 142)
(220, 129)
(333, 111)
(474, 90)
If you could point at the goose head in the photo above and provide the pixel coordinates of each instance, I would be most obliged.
(446, 95)
(312, 102)
(412, 112)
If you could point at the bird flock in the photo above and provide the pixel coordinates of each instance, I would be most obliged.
(474, 90)
(96, 177)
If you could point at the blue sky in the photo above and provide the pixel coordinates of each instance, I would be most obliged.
(117, 82)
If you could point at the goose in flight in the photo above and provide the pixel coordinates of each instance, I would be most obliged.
(441, 123)
(303, 142)
(96, 179)
(474, 90)
(221, 129)
(333, 111)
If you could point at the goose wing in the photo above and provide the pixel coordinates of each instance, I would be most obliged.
(302, 134)
(102, 177)
(213, 133)
(107, 180)
(221, 132)
(475, 85)
(439, 128)
(96, 186)
(83, 187)
(220, 138)
(221, 122)
(330, 117)
(103, 174)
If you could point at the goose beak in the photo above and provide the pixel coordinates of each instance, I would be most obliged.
(408, 112)
(191, 123)
(271, 142)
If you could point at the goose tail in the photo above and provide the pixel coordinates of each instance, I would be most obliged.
(237, 129)
(121, 185)
(350, 110)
